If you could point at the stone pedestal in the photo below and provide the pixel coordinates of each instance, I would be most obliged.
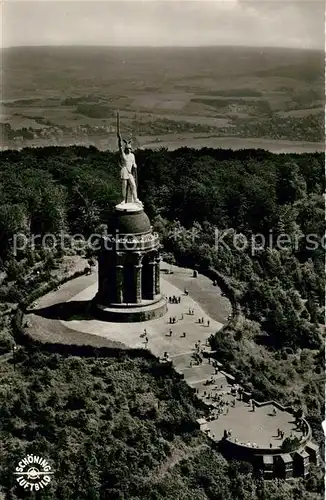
(129, 268)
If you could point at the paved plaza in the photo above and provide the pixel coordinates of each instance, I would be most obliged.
(255, 428)
(185, 343)
(158, 330)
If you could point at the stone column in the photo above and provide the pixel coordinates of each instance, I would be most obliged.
(152, 273)
(119, 279)
(157, 275)
(138, 278)
(99, 277)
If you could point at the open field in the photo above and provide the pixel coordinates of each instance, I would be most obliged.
(62, 95)
(275, 146)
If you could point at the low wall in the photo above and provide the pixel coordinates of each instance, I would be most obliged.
(238, 450)
(134, 314)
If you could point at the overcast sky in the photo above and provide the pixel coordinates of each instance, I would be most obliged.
(284, 23)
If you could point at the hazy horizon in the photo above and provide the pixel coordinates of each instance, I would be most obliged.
(312, 49)
(164, 23)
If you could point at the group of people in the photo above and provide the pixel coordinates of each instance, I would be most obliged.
(197, 356)
(173, 319)
(175, 299)
(144, 336)
(227, 433)
(300, 425)
(280, 433)
(198, 347)
(220, 405)
(166, 357)
(214, 364)
(201, 321)
(183, 333)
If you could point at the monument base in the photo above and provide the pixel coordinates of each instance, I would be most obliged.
(135, 313)
(129, 206)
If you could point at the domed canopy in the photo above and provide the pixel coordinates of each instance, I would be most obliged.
(129, 219)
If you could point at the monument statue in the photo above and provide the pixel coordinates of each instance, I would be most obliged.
(128, 172)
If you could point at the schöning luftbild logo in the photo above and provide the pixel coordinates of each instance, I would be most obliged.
(33, 473)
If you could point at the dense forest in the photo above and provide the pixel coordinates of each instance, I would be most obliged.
(274, 345)
(118, 429)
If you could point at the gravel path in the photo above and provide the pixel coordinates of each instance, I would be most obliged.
(201, 290)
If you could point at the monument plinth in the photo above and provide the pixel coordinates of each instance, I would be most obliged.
(129, 268)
